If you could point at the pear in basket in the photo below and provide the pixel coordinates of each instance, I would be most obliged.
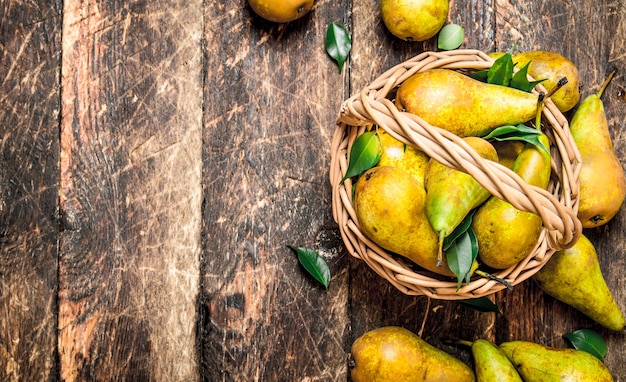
(506, 234)
(398, 154)
(451, 194)
(602, 180)
(390, 208)
(462, 105)
(573, 276)
(551, 67)
(393, 354)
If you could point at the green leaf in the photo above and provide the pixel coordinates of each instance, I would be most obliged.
(589, 341)
(459, 230)
(480, 75)
(364, 154)
(450, 37)
(520, 132)
(338, 43)
(461, 255)
(314, 264)
(520, 80)
(501, 71)
(481, 304)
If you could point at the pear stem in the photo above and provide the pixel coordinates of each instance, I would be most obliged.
(494, 278)
(606, 83)
(442, 236)
(562, 82)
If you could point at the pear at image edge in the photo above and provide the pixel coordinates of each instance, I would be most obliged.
(393, 354)
(414, 20)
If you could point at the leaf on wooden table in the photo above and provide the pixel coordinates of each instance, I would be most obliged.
(450, 37)
(481, 304)
(338, 43)
(588, 340)
(314, 264)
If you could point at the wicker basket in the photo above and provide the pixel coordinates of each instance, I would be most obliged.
(557, 206)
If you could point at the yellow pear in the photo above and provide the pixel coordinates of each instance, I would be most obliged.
(602, 180)
(281, 11)
(462, 105)
(398, 154)
(414, 20)
(390, 209)
(394, 354)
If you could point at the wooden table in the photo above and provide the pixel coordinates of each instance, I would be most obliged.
(159, 157)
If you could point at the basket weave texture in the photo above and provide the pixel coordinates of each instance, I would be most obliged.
(557, 206)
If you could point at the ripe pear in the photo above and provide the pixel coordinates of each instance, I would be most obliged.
(506, 234)
(508, 151)
(602, 180)
(551, 67)
(390, 208)
(462, 105)
(490, 363)
(281, 11)
(392, 354)
(539, 363)
(573, 276)
(414, 20)
(398, 154)
(451, 194)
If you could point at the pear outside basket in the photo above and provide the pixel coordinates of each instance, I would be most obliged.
(557, 206)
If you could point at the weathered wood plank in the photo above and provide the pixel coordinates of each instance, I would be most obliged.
(374, 302)
(131, 192)
(272, 95)
(30, 37)
(591, 34)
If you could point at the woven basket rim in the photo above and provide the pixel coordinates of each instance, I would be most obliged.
(557, 206)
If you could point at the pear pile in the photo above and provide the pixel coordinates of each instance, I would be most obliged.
(392, 353)
(409, 203)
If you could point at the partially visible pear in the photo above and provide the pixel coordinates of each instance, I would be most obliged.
(394, 354)
(451, 194)
(539, 363)
(414, 20)
(573, 276)
(551, 67)
(508, 151)
(462, 105)
(390, 209)
(490, 363)
(506, 234)
(398, 154)
(602, 179)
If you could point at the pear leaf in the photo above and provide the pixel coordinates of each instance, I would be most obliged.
(450, 37)
(461, 255)
(314, 264)
(588, 340)
(459, 230)
(520, 132)
(520, 80)
(364, 154)
(338, 43)
(481, 304)
(501, 72)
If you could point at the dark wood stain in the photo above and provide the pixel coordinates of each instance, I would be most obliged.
(157, 160)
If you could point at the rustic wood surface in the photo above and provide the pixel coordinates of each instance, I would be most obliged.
(158, 158)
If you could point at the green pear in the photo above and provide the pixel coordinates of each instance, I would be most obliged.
(462, 105)
(508, 151)
(390, 209)
(539, 363)
(573, 276)
(602, 179)
(399, 154)
(451, 194)
(392, 354)
(551, 67)
(490, 363)
(506, 234)
(414, 20)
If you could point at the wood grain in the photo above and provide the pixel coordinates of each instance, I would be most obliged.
(273, 98)
(30, 51)
(131, 192)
